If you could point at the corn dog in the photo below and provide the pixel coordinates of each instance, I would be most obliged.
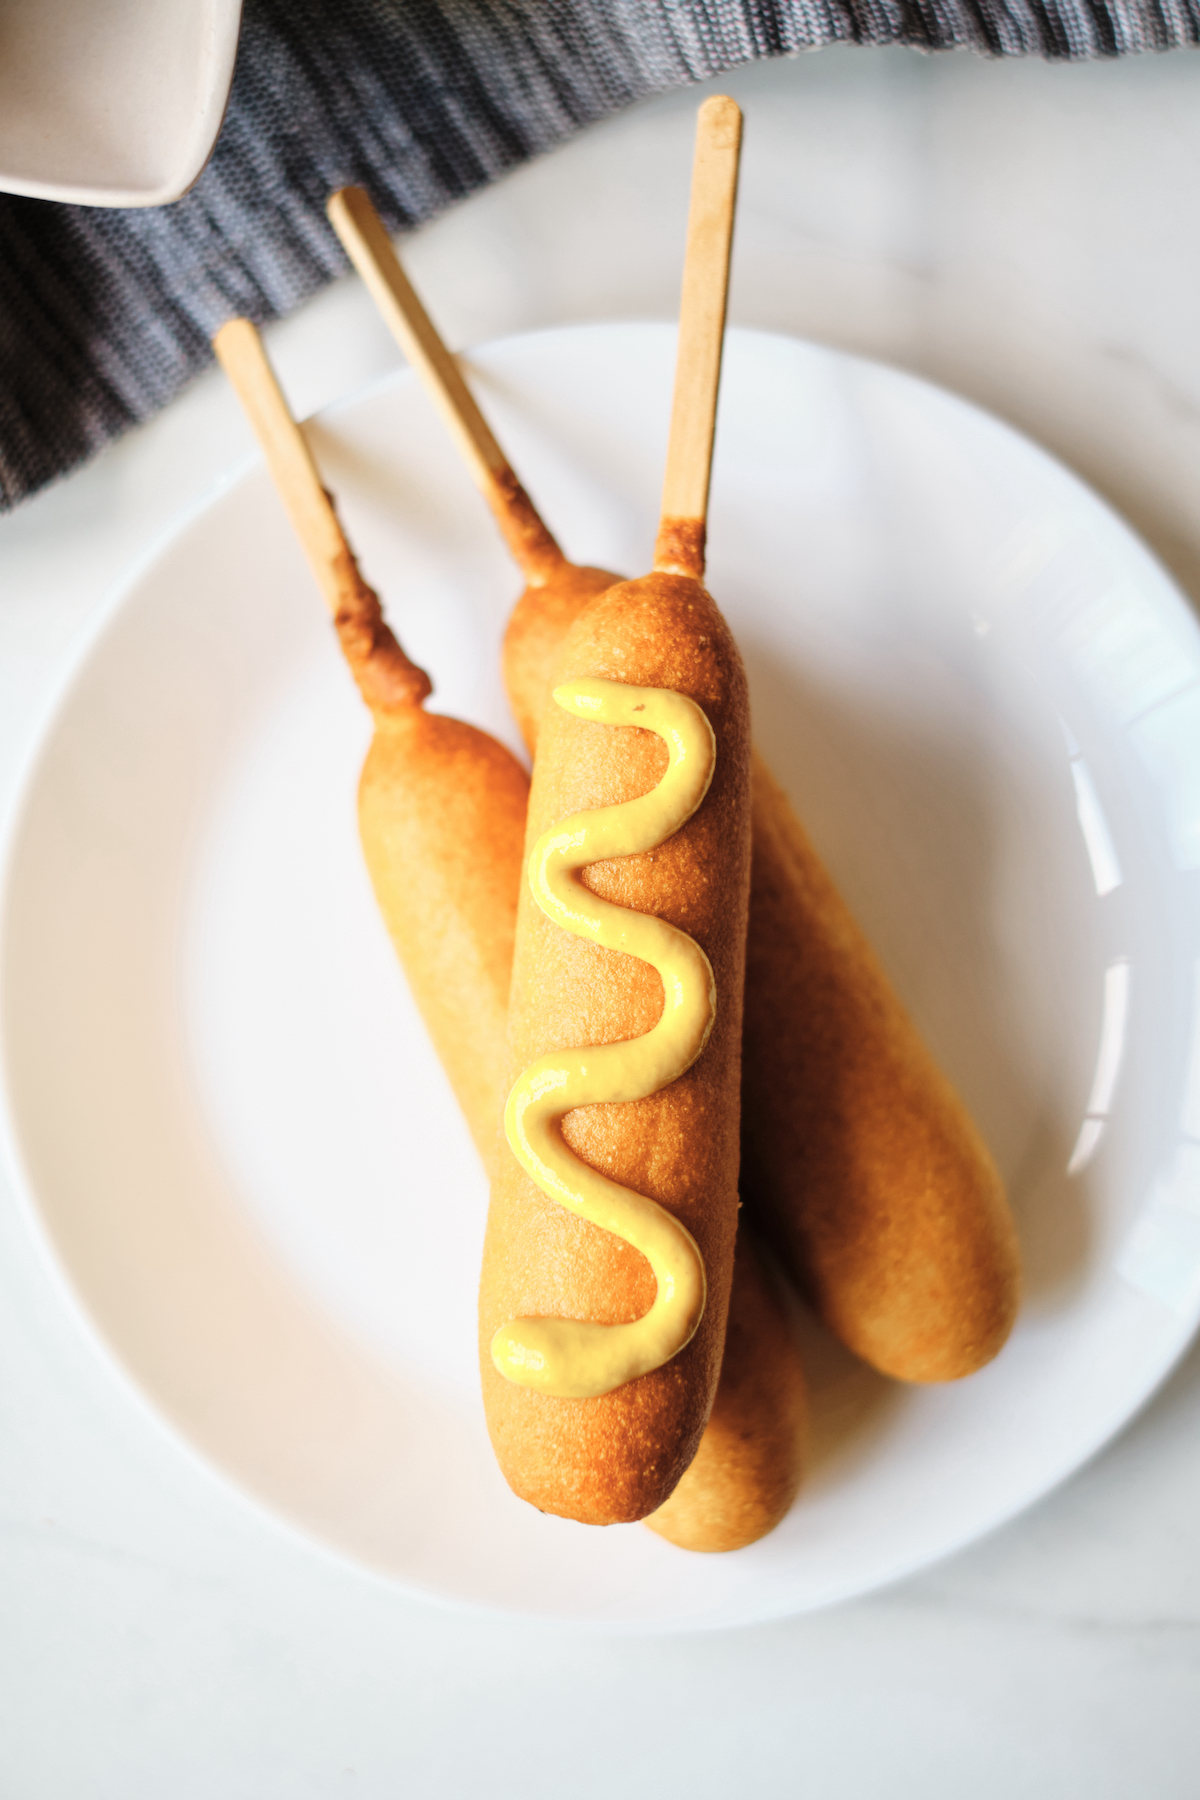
(859, 1159)
(610, 1446)
(431, 789)
(609, 1249)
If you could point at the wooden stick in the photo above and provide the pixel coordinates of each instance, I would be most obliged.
(384, 674)
(681, 533)
(240, 352)
(370, 249)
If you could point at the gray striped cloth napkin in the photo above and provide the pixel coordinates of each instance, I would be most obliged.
(104, 316)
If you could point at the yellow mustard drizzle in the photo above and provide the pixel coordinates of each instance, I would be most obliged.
(577, 1359)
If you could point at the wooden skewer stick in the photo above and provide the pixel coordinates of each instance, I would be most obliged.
(240, 352)
(380, 667)
(681, 533)
(369, 248)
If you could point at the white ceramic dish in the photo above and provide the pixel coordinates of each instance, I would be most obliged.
(984, 697)
(114, 104)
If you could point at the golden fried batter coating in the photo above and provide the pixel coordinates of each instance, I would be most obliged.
(618, 1457)
(747, 1470)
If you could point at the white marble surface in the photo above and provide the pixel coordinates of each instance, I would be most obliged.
(1026, 235)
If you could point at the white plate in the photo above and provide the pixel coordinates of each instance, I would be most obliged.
(984, 697)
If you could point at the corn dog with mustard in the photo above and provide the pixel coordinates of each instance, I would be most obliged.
(433, 788)
(609, 1249)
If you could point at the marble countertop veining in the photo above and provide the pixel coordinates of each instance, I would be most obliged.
(1025, 234)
